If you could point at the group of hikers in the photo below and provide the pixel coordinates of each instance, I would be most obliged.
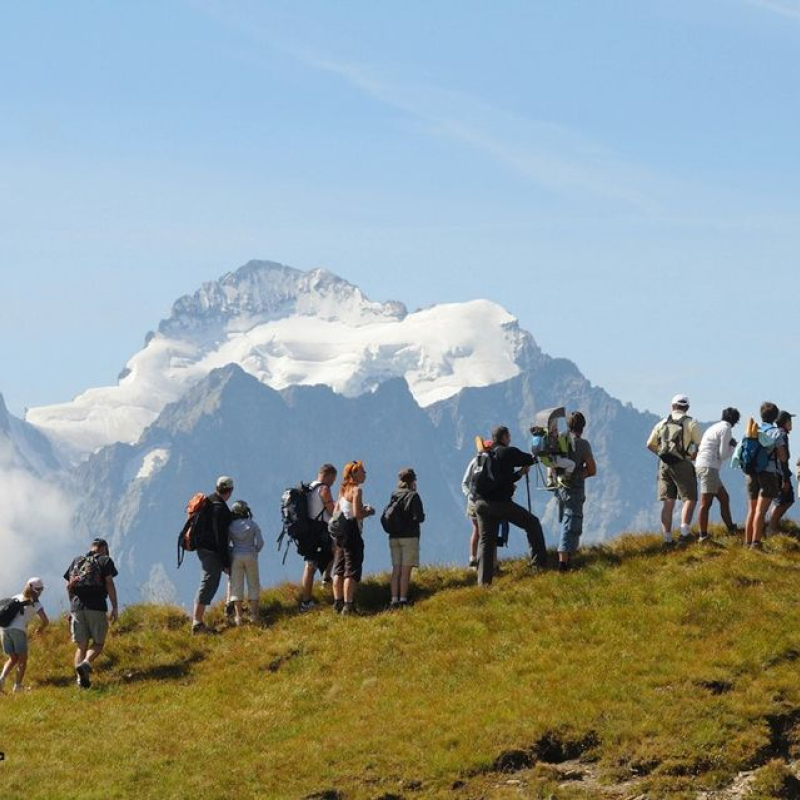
(328, 532)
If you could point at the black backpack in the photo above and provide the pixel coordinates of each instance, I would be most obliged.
(297, 525)
(395, 516)
(10, 609)
(483, 478)
(86, 573)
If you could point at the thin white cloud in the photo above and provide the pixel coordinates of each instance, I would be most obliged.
(552, 156)
(786, 8)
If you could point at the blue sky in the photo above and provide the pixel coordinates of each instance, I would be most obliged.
(621, 176)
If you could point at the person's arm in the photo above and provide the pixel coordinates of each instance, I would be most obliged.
(259, 539)
(43, 622)
(783, 464)
(327, 498)
(112, 596)
(417, 511)
(589, 467)
(652, 439)
(725, 446)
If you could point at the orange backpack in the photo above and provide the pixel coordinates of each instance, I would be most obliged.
(187, 538)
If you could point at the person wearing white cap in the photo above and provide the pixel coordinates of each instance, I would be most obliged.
(675, 440)
(14, 635)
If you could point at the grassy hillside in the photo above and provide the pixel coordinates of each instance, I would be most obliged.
(637, 675)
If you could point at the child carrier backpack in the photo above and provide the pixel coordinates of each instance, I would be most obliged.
(195, 517)
(10, 609)
(394, 518)
(671, 449)
(297, 525)
(86, 573)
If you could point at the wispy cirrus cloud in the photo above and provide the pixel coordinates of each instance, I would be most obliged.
(786, 8)
(552, 156)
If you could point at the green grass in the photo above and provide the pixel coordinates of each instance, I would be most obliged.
(671, 672)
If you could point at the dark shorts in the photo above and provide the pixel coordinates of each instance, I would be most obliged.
(763, 484)
(350, 558)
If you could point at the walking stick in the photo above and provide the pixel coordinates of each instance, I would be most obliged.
(528, 489)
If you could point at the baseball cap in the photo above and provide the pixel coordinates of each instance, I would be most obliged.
(680, 400)
(224, 484)
(36, 583)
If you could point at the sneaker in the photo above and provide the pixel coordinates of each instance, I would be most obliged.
(82, 671)
(306, 605)
(703, 538)
(401, 604)
(473, 563)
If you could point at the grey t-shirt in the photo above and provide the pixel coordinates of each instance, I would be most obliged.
(581, 451)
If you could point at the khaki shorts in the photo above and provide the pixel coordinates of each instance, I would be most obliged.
(86, 624)
(677, 480)
(405, 552)
(764, 484)
(471, 510)
(15, 641)
(710, 482)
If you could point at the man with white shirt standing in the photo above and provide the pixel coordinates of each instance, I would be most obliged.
(716, 446)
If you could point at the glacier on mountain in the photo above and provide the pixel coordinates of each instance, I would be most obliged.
(291, 328)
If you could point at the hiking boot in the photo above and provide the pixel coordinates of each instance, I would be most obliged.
(667, 546)
(201, 628)
(230, 610)
(306, 605)
(756, 545)
(473, 563)
(733, 530)
(338, 605)
(685, 541)
(563, 566)
(82, 671)
(348, 609)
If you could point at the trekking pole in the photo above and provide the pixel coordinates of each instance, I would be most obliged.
(528, 489)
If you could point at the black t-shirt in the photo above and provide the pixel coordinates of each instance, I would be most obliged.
(507, 461)
(90, 597)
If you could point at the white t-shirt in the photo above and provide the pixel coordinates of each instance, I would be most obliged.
(20, 622)
(715, 446)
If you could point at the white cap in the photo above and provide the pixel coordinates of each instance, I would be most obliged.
(36, 583)
(680, 400)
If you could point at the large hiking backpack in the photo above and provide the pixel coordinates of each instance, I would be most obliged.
(671, 448)
(86, 573)
(754, 456)
(10, 609)
(196, 513)
(395, 516)
(297, 525)
(483, 478)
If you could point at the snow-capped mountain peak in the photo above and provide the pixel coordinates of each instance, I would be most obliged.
(286, 328)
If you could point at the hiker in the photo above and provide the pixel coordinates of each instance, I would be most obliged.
(350, 554)
(401, 520)
(571, 496)
(675, 440)
(90, 583)
(246, 542)
(320, 510)
(785, 500)
(493, 503)
(502, 534)
(14, 636)
(716, 445)
(769, 480)
(213, 551)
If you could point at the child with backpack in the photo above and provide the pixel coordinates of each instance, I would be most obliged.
(401, 520)
(246, 543)
(551, 449)
(20, 610)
